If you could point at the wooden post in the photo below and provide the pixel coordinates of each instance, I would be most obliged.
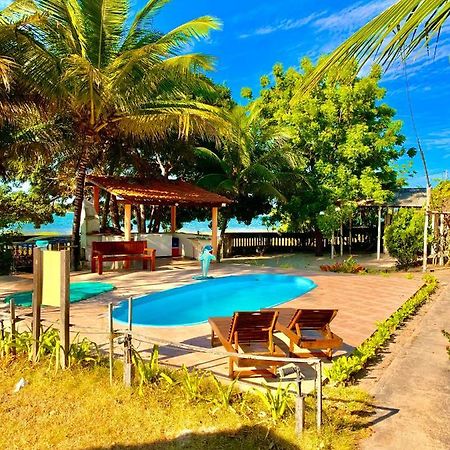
(299, 414)
(64, 331)
(36, 300)
(12, 318)
(425, 230)
(319, 395)
(214, 235)
(111, 343)
(97, 200)
(173, 219)
(127, 222)
(441, 239)
(128, 349)
(379, 235)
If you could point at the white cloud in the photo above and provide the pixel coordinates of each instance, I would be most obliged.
(351, 18)
(283, 25)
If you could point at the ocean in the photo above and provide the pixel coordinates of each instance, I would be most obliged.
(62, 225)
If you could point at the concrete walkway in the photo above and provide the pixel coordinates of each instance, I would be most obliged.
(412, 384)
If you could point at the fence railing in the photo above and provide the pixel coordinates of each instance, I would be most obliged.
(252, 243)
(22, 252)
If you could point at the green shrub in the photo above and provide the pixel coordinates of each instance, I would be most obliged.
(404, 237)
(6, 256)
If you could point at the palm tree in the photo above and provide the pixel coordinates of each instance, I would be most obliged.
(110, 70)
(392, 35)
(247, 168)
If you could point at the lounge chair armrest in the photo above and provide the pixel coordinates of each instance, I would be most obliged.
(293, 337)
(149, 251)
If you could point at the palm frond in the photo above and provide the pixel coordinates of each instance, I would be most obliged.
(392, 35)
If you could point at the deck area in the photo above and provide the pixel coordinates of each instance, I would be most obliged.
(362, 300)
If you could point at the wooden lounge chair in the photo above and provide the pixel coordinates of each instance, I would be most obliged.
(309, 329)
(248, 332)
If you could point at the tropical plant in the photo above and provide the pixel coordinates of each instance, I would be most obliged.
(403, 237)
(248, 167)
(276, 401)
(225, 392)
(349, 265)
(393, 35)
(113, 73)
(192, 383)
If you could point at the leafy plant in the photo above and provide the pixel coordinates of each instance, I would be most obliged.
(349, 265)
(404, 237)
(191, 383)
(276, 401)
(224, 392)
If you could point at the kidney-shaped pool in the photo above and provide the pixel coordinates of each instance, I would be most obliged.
(195, 303)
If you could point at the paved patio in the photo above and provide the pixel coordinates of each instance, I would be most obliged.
(362, 300)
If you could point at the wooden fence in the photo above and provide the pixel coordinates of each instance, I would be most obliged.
(250, 243)
(22, 252)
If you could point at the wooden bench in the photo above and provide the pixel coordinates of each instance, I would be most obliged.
(121, 251)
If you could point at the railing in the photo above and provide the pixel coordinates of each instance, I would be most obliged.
(250, 243)
(22, 252)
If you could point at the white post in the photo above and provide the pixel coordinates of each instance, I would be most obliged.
(379, 235)
(332, 245)
(441, 240)
(342, 239)
(425, 231)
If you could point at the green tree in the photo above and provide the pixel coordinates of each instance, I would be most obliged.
(111, 71)
(247, 168)
(346, 141)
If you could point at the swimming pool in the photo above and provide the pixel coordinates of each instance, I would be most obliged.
(194, 303)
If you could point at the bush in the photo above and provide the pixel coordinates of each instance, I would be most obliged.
(404, 237)
(6, 256)
(349, 265)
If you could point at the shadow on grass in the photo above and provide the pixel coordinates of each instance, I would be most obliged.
(246, 438)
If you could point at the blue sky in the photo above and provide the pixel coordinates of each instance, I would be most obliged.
(259, 33)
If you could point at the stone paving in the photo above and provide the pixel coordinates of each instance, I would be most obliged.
(362, 301)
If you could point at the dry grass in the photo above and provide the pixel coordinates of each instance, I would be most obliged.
(78, 409)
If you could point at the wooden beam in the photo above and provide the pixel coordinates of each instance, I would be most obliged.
(127, 222)
(173, 219)
(64, 332)
(379, 235)
(97, 200)
(36, 300)
(214, 241)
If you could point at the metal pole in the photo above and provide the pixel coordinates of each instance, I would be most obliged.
(342, 239)
(425, 230)
(12, 318)
(332, 245)
(319, 395)
(127, 348)
(111, 343)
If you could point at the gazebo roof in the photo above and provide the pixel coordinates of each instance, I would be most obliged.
(409, 198)
(156, 191)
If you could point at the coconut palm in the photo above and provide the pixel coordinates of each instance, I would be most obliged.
(110, 70)
(392, 35)
(249, 167)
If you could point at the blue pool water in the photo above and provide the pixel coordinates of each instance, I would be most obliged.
(194, 303)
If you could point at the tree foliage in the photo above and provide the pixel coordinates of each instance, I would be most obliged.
(346, 141)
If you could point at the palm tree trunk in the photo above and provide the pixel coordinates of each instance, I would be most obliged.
(319, 242)
(105, 212)
(223, 229)
(78, 206)
(115, 213)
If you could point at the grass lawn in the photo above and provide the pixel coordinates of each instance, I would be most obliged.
(78, 409)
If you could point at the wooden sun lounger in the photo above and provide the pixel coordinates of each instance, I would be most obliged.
(248, 332)
(309, 329)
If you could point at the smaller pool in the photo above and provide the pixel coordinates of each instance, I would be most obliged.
(195, 303)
